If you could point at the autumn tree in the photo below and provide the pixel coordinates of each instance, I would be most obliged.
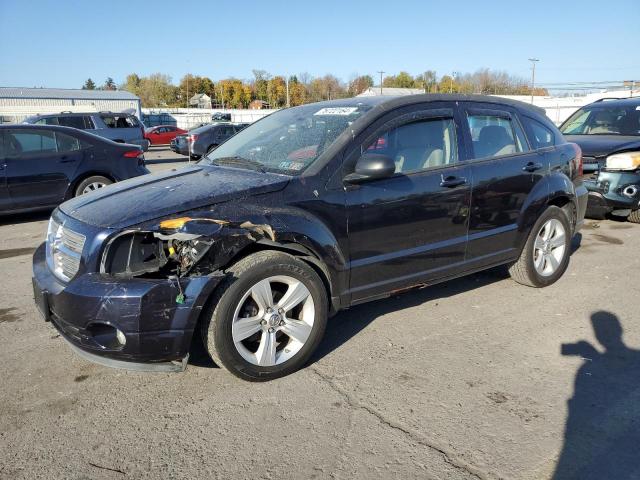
(193, 84)
(359, 84)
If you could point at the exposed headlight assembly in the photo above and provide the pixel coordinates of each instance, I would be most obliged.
(623, 161)
(133, 254)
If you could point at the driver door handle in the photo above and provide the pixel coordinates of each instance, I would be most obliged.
(532, 167)
(452, 181)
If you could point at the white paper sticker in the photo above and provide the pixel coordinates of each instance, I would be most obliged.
(638, 107)
(337, 111)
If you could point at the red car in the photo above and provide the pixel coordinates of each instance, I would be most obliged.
(162, 134)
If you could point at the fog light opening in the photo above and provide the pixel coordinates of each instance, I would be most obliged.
(107, 336)
(630, 191)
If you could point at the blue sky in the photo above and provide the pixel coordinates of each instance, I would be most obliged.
(62, 43)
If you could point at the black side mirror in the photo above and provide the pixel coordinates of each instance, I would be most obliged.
(371, 166)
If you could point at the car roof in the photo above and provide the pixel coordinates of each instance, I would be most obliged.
(617, 102)
(74, 132)
(388, 102)
(73, 114)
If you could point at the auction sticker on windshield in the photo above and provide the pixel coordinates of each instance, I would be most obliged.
(337, 111)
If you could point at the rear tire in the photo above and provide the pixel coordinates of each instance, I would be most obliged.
(545, 256)
(92, 183)
(634, 216)
(244, 318)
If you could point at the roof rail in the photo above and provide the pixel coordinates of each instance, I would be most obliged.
(66, 111)
(607, 98)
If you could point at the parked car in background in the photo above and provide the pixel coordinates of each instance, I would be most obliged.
(205, 138)
(608, 133)
(163, 134)
(221, 117)
(119, 127)
(295, 218)
(42, 165)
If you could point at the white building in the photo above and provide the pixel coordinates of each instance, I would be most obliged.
(16, 103)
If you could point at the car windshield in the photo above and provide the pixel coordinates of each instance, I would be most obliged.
(288, 141)
(603, 119)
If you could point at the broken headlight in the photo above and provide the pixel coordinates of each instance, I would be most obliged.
(149, 253)
(623, 161)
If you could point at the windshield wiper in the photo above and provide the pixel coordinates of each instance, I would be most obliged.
(239, 161)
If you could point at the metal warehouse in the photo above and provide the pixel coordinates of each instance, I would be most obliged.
(17, 103)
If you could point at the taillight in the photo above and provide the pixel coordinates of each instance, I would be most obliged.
(578, 159)
(192, 138)
(133, 154)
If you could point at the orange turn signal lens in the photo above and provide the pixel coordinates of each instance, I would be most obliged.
(174, 223)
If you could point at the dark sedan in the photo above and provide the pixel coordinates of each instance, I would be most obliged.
(199, 141)
(608, 131)
(41, 166)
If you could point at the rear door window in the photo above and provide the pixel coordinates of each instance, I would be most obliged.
(495, 135)
(31, 142)
(74, 122)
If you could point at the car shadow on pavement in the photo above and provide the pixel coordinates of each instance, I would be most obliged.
(602, 433)
(16, 219)
(348, 323)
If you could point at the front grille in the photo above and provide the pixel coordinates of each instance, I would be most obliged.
(64, 250)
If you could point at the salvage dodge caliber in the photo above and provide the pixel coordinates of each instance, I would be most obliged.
(308, 211)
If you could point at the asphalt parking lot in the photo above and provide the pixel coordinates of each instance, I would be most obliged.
(468, 379)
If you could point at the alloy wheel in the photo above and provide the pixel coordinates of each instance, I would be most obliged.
(549, 248)
(273, 320)
(93, 186)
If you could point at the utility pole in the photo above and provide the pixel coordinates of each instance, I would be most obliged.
(381, 73)
(286, 79)
(454, 75)
(533, 75)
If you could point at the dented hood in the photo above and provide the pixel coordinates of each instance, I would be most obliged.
(602, 145)
(164, 193)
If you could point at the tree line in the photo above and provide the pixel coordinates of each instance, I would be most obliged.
(276, 91)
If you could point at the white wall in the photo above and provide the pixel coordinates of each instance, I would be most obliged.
(558, 109)
(190, 117)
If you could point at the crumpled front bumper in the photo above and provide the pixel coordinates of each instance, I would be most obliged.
(606, 193)
(158, 330)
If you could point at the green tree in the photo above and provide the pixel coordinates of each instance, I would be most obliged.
(402, 80)
(260, 83)
(132, 84)
(89, 85)
(109, 84)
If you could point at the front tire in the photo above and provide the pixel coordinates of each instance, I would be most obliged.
(267, 317)
(545, 256)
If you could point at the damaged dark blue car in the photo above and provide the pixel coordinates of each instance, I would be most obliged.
(311, 210)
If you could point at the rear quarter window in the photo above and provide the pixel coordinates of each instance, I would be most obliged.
(541, 136)
(120, 121)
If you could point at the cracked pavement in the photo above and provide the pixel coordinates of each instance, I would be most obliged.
(464, 380)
